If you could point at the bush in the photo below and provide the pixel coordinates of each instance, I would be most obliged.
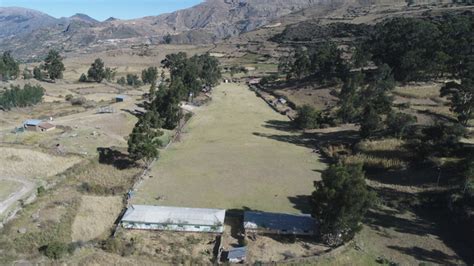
(69, 97)
(83, 78)
(78, 101)
(41, 191)
(308, 118)
(122, 81)
(55, 250)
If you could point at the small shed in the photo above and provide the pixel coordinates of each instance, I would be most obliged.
(120, 98)
(45, 126)
(254, 81)
(237, 255)
(37, 125)
(279, 223)
(146, 217)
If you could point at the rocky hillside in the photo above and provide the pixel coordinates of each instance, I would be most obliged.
(29, 33)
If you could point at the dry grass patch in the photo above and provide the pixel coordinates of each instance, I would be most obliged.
(32, 164)
(422, 91)
(105, 175)
(95, 217)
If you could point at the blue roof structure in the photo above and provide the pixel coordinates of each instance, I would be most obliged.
(281, 222)
(32, 122)
(237, 253)
(120, 97)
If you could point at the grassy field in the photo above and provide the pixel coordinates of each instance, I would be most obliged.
(7, 187)
(236, 153)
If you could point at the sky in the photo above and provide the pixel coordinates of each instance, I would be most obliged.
(103, 9)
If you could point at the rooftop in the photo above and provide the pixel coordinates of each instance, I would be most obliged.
(279, 221)
(173, 215)
(32, 122)
(237, 253)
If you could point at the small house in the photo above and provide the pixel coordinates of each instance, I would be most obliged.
(119, 98)
(237, 255)
(145, 217)
(37, 125)
(279, 224)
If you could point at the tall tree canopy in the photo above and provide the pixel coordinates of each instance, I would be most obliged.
(97, 71)
(53, 64)
(341, 201)
(9, 68)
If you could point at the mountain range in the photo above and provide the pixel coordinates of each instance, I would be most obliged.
(28, 33)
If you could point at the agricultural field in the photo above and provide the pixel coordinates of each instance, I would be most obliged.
(235, 153)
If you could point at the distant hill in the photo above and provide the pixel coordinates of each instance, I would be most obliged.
(16, 20)
(29, 33)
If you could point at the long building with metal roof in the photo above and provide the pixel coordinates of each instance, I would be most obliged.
(174, 219)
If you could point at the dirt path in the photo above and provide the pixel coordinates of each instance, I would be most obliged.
(26, 188)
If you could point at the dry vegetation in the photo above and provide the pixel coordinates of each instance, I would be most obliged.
(22, 162)
(95, 217)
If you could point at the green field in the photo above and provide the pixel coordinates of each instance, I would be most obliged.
(236, 152)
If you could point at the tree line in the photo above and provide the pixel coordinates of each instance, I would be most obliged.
(187, 75)
(398, 50)
(21, 97)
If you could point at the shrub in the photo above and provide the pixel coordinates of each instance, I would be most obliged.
(308, 118)
(69, 97)
(78, 101)
(83, 78)
(41, 191)
(55, 250)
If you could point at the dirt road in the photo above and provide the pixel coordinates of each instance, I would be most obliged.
(26, 188)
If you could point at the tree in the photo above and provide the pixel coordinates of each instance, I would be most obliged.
(461, 97)
(341, 201)
(53, 64)
(37, 74)
(349, 99)
(150, 75)
(133, 80)
(122, 81)
(301, 64)
(110, 74)
(166, 103)
(27, 73)
(143, 142)
(370, 122)
(9, 67)
(83, 78)
(17, 97)
(307, 118)
(398, 123)
(97, 71)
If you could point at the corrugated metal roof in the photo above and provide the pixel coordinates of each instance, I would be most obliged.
(237, 253)
(32, 122)
(173, 215)
(279, 221)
